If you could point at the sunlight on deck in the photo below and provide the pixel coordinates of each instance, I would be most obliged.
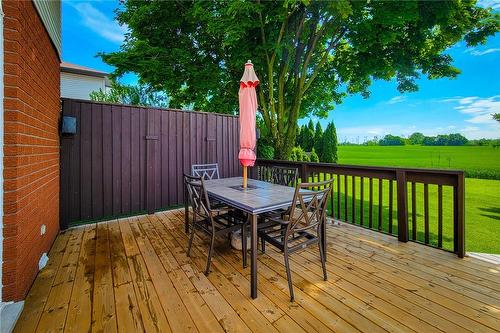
(133, 275)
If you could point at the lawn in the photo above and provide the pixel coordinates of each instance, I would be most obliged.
(482, 196)
(477, 162)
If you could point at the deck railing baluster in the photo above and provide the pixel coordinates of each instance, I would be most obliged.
(426, 213)
(380, 203)
(370, 209)
(397, 203)
(346, 199)
(413, 211)
(353, 180)
(361, 200)
(391, 199)
(440, 216)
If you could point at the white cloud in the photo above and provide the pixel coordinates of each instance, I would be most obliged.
(397, 99)
(476, 52)
(470, 129)
(478, 109)
(495, 4)
(98, 22)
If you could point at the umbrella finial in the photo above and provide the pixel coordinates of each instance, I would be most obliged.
(249, 61)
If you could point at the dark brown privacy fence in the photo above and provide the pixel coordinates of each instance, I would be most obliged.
(125, 159)
(422, 205)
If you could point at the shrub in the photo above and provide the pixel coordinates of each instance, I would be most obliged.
(298, 154)
(265, 151)
(313, 157)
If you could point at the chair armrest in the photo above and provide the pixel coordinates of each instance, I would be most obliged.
(278, 220)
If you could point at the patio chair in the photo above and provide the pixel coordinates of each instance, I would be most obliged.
(285, 176)
(212, 221)
(206, 171)
(301, 226)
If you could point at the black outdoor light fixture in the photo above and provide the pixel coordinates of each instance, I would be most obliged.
(68, 125)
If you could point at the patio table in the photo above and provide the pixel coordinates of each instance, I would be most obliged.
(260, 197)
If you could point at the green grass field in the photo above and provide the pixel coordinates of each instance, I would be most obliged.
(482, 196)
(477, 162)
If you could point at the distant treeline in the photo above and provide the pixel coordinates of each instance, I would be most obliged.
(417, 138)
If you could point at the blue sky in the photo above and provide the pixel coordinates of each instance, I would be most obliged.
(462, 105)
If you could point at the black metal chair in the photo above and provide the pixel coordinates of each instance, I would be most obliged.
(285, 176)
(206, 171)
(212, 221)
(303, 225)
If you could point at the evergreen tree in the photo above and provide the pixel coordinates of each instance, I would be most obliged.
(318, 137)
(297, 136)
(307, 136)
(329, 146)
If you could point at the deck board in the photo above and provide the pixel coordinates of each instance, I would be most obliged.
(133, 275)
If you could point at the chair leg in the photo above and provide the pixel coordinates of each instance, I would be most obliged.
(263, 244)
(283, 230)
(244, 244)
(322, 257)
(210, 251)
(191, 236)
(289, 276)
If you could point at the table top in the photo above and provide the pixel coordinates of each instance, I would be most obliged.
(259, 197)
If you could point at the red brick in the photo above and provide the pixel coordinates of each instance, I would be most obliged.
(31, 146)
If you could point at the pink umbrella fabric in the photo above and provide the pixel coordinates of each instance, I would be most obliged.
(248, 109)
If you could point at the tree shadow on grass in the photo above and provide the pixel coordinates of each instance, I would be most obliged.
(494, 210)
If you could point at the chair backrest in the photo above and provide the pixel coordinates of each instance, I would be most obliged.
(205, 171)
(285, 176)
(197, 195)
(309, 208)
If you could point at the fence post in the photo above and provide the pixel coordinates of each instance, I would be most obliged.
(402, 206)
(459, 216)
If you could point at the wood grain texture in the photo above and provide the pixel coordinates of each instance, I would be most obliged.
(126, 160)
(133, 275)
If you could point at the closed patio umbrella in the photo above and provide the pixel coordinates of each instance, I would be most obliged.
(248, 109)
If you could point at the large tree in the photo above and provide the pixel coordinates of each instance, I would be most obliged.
(307, 54)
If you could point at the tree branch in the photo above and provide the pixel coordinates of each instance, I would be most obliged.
(330, 47)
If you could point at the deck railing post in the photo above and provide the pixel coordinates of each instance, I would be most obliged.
(459, 216)
(304, 172)
(402, 205)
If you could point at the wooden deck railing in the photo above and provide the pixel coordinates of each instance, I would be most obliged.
(421, 205)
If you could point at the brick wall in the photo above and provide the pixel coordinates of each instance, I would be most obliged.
(31, 146)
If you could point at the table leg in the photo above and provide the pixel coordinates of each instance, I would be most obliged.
(186, 211)
(253, 268)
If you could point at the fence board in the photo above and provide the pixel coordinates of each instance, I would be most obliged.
(116, 158)
(107, 164)
(135, 159)
(86, 161)
(125, 160)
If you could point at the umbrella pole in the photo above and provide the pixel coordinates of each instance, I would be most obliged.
(244, 177)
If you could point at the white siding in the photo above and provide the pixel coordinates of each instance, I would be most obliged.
(80, 86)
(50, 13)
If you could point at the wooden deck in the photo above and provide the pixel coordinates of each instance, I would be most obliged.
(132, 275)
